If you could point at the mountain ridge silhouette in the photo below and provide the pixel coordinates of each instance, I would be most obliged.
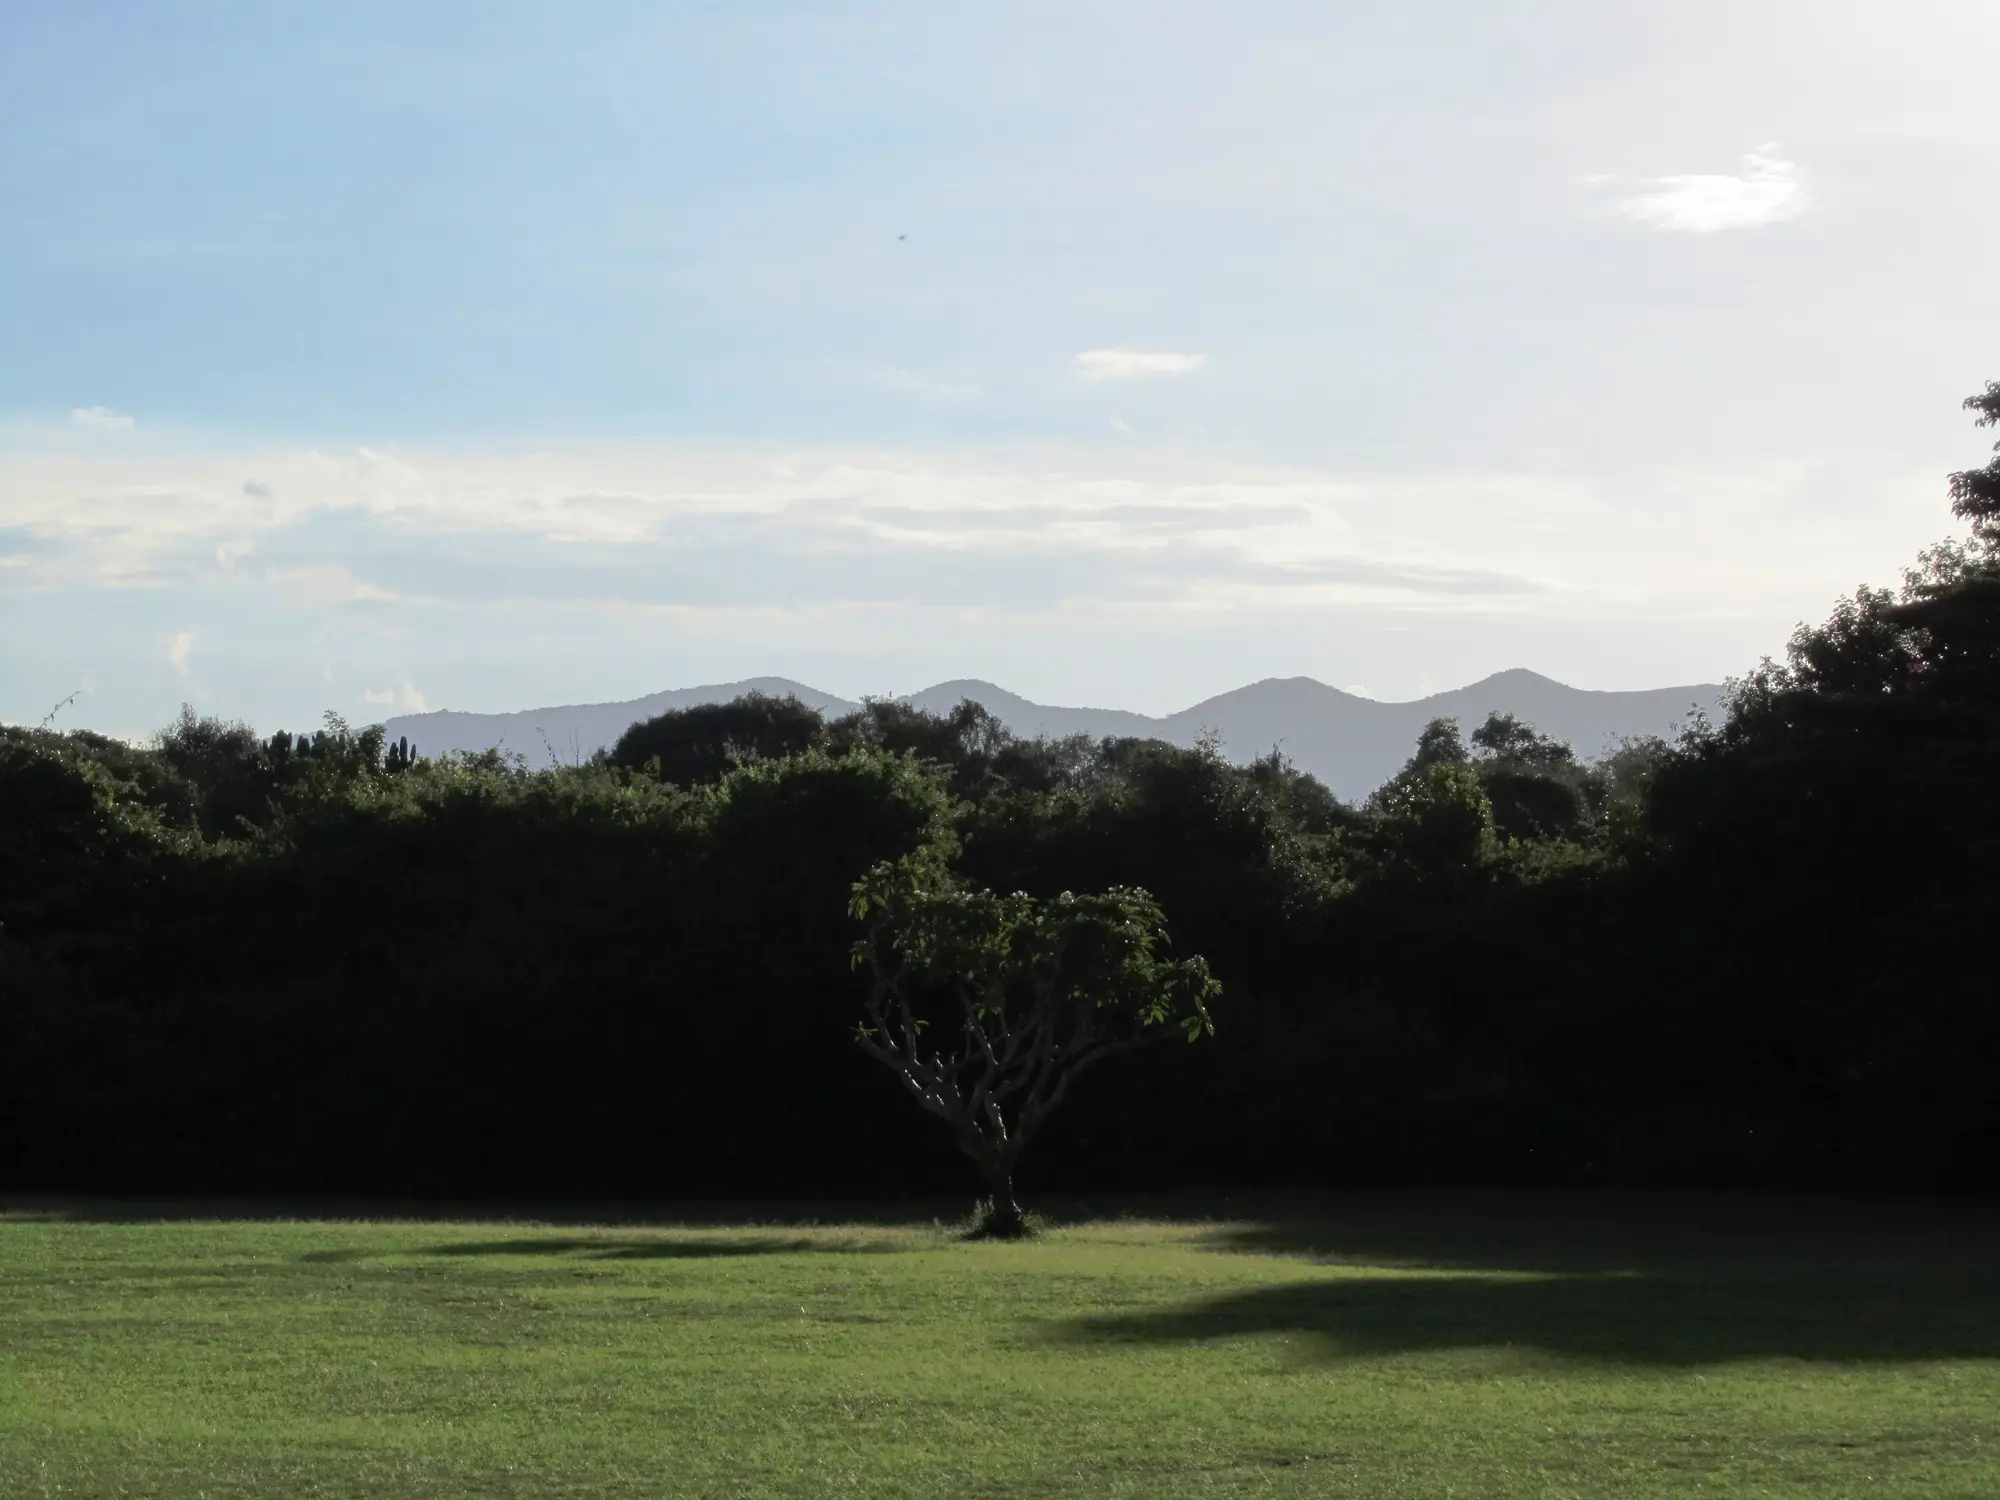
(1351, 743)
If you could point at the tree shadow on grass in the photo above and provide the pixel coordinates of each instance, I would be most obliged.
(1679, 1319)
(1662, 1279)
(604, 1247)
(661, 1247)
(1698, 1234)
(785, 1213)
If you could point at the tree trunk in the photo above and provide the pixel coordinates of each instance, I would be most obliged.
(1005, 1221)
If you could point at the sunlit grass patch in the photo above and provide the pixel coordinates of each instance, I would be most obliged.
(1356, 1356)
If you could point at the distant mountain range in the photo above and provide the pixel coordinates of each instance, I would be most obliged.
(1352, 744)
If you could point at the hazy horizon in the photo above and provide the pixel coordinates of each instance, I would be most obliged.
(921, 689)
(1350, 744)
(508, 355)
(67, 713)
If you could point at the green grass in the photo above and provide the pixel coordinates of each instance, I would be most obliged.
(1483, 1346)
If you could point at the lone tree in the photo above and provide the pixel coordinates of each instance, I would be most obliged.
(988, 1007)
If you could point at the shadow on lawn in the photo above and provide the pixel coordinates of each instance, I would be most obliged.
(1679, 1319)
(791, 1213)
(660, 1247)
(1672, 1280)
(1702, 1234)
(602, 1247)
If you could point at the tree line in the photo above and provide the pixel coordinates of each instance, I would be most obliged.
(323, 963)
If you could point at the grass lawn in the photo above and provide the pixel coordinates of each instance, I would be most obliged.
(1388, 1346)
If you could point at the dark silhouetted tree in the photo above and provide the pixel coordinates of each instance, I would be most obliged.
(1533, 780)
(1438, 744)
(1506, 740)
(1436, 830)
(698, 745)
(988, 1008)
(225, 765)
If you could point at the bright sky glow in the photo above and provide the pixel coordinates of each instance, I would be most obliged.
(372, 357)
(1131, 364)
(1767, 192)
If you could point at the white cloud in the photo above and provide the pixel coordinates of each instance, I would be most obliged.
(180, 649)
(1134, 364)
(403, 695)
(1767, 191)
(101, 419)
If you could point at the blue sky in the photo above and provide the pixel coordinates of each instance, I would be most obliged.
(490, 355)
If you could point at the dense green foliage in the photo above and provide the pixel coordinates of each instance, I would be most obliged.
(1499, 1346)
(325, 963)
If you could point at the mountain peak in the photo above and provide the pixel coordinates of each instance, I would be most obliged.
(1513, 677)
(960, 688)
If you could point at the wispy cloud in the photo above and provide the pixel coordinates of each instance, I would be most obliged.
(666, 564)
(101, 419)
(1135, 364)
(1766, 191)
(374, 539)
